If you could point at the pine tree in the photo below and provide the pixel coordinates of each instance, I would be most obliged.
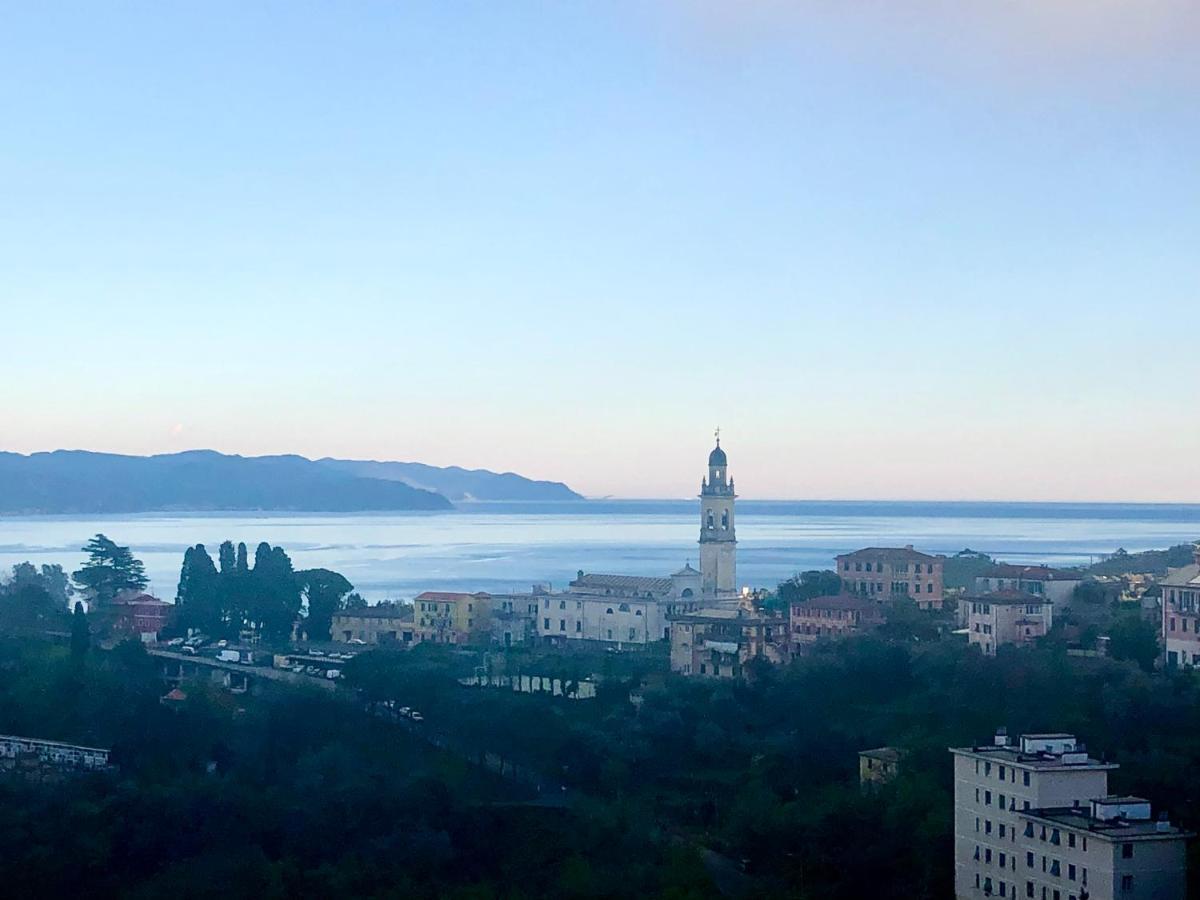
(110, 570)
(197, 595)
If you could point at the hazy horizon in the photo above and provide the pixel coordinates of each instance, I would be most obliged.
(920, 251)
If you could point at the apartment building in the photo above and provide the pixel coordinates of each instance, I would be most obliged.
(892, 573)
(1006, 617)
(832, 617)
(384, 623)
(1034, 819)
(1057, 585)
(447, 617)
(1181, 613)
(718, 642)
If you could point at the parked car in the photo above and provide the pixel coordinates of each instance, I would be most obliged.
(189, 649)
(228, 655)
(316, 652)
(417, 717)
(222, 643)
(175, 642)
(359, 641)
(333, 673)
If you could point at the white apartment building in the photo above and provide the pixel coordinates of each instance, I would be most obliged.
(1034, 820)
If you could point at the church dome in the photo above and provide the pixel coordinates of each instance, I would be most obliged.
(717, 457)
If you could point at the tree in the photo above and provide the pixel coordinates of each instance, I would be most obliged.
(81, 635)
(52, 579)
(1133, 638)
(275, 594)
(355, 601)
(27, 606)
(324, 594)
(807, 585)
(197, 596)
(110, 570)
(225, 557)
(243, 564)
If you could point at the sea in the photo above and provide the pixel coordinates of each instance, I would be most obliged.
(508, 547)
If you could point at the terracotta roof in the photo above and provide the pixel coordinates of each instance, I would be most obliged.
(452, 596)
(891, 554)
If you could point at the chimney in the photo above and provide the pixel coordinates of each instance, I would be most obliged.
(1001, 739)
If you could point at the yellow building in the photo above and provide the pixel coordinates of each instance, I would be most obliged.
(446, 617)
(878, 766)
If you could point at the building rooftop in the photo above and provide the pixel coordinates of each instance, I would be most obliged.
(382, 611)
(884, 754)
(593, 583)
(1032, 573)
(1049, 751)
(451, 596)
(1184, 576)
(1009, 596)
(891, 554)
(837, 602)
(1120, 828)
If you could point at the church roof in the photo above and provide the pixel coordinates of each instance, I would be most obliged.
(595, 583)
(686, 570)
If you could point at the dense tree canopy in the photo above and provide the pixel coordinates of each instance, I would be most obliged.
(110, 569)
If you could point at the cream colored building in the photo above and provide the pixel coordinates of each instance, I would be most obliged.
(1034, 819)
(1006, 617)
(617, 609)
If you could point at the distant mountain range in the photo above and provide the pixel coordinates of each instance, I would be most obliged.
(81, 482)
(458, 484)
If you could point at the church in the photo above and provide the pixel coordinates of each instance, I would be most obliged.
(637, 609)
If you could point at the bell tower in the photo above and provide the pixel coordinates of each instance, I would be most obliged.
(718, 538)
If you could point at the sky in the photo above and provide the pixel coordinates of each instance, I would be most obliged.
(895, 250)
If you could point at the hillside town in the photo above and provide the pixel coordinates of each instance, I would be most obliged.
(1034, 817)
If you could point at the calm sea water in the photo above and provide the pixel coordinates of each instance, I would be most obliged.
(497, 547)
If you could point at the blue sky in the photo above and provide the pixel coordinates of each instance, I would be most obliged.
(894, 250)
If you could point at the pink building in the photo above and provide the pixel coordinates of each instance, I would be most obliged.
(892, 573)
(139, 615)
(1181, 613)
(832, 617)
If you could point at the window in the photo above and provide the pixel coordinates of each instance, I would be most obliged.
(1029, 889)
(987, 826)
(987, 798)
(562, 624)
(608, 611)
(1002, 773)
(1025, 778)
(987, 854)
(1003, 859)
(578, 626)
(1127, 882)
(1028, 860)
(546, 624)
(1070, 872)
(1002, 827)
(1071, 839)
(1127, 851)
